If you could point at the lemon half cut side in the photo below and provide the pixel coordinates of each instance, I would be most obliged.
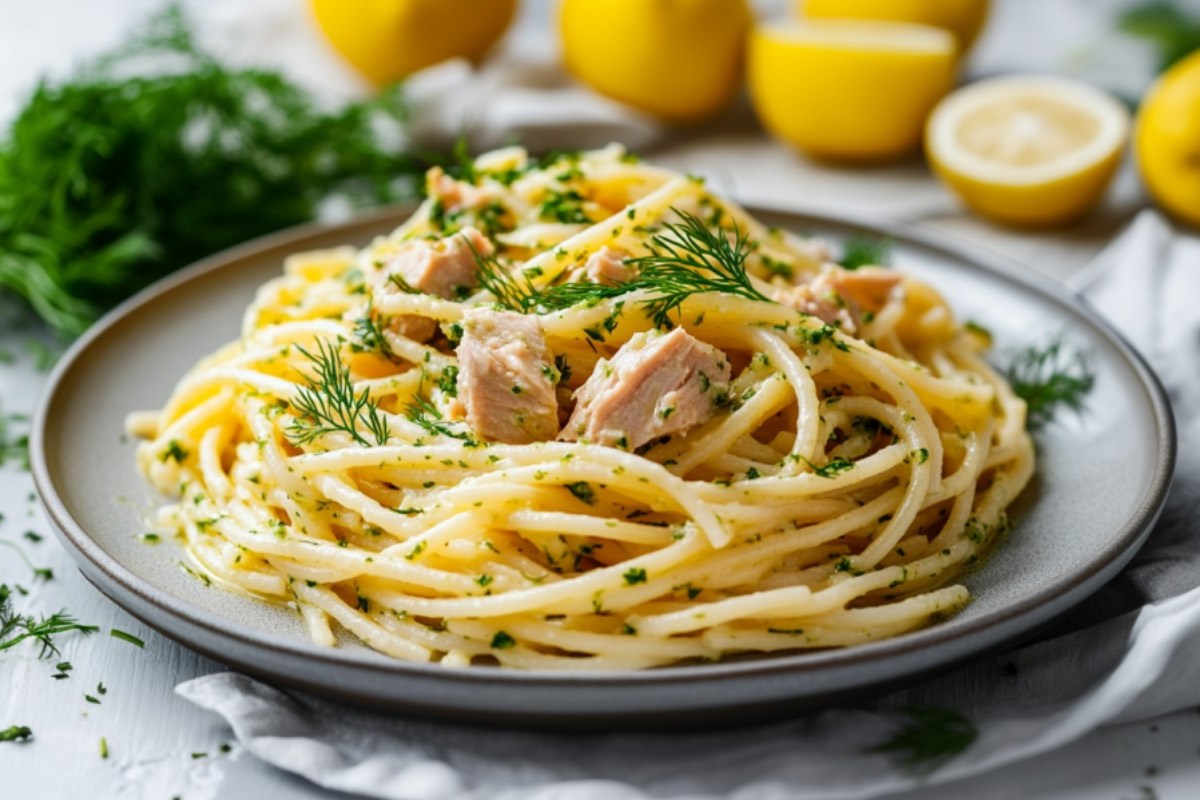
(1028, 150)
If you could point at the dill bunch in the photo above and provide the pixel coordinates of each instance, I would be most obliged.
(156, 155)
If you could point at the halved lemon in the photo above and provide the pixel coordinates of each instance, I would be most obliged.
(849, 90)
(963, 18)
(1028, 150)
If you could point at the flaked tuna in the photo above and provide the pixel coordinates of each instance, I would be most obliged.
(442, 267)
(657, 384)
(839, 297)
(506, 377)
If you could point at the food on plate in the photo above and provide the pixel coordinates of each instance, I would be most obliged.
(1028, 149)
(849, 90)
(583, 413)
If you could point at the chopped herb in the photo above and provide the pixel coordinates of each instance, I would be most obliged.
(831, 470)
(582, 490)
(128, 637)
(927, 738)
(16, 733)
(103, 748)
(448, 381)
(502, 641)
(635, 575)
(484, 579)
(174, 452)
(565, 207)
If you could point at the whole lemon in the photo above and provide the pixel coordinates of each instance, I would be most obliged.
(679, 60)
(963, 18)
(1167, 140)
(849, 90)
(385, 40)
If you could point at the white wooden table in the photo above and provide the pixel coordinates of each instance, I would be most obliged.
(159, 746)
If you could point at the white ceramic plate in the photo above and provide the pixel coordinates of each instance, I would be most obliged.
(1102, 479)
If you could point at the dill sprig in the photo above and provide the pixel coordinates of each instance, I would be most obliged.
(1048, 377)
(368, 336)
(862, 251)
(690, 258)
(16, 628)
(685, 259)
(927, 738)
(512, 291)
(327, 402)
(426, 415)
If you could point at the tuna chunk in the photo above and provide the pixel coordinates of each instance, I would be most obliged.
(506, 377)
(607, 266)
(454, 194)
(840, 296)
(444, 267)
(657, 384)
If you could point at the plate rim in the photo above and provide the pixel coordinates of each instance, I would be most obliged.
(1125, 543)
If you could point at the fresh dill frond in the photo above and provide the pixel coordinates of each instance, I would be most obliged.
(689, 258)
(513, 292)
(685, 258)
(927, 738)
(1048, 377)
(327, 402)
(16, 628)
(368, 336)
(425, 414)
(863, 251)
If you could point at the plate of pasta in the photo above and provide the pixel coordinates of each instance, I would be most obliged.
(579, 440)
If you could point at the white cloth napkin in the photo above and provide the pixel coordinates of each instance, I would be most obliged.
(1139, 656)
(518, 98)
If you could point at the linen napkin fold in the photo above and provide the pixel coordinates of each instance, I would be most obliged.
(1138, 657)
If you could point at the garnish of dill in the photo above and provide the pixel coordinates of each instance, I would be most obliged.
(1049, 377)
(327, 402)
(927, 738)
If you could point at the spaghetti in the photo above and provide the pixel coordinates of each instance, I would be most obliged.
(584, 413)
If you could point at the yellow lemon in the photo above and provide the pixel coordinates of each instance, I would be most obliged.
(849, 90)
(1026, 149)
(386, 40)
(1167, 140)
(679, 60)
(963, 18)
